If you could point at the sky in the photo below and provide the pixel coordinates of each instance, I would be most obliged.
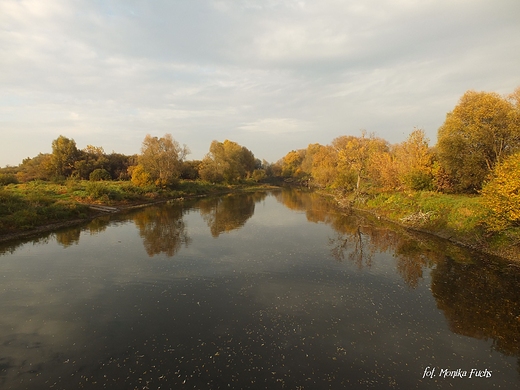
(273, 76)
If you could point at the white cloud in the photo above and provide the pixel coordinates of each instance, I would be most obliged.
(274, 126)
(296, 71)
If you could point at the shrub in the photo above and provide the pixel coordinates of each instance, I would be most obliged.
(140, 177)
(501, 194)
(7, 178)
(419, 181)
(259, 175)
(97, 190)
(99, 174)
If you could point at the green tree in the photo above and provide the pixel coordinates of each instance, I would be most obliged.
(481, 130)
(227, 161)
(99, 174)
(36, 168)
(89, 159)
(259, 175)
(118, 164)
(64, 156)
(161, 159)
(190, 170)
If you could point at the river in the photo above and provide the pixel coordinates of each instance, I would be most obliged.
(264, 290)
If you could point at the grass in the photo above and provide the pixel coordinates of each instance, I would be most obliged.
(22, 209)
(461, 218)
(459, 214)
(29, 205)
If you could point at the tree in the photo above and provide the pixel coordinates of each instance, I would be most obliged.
(118, 164)
(99, 174)
(414, 161)
(324, 166)
(227, 161)
(383, 171)
(292, 164)
(88, 160)
(36, 168)
(139, 177)
(259, 175)
(190, 170)
(64, 155)
(481, 130)
(355, 156)
(161, 159)
(501, 194)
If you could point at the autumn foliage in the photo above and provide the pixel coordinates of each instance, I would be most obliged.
(501, 194)
(477, 152)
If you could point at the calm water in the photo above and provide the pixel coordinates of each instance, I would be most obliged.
(266, 290)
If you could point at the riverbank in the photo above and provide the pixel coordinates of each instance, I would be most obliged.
(458, 218)
(36, 207)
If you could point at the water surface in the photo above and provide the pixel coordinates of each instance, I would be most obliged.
(262, 290)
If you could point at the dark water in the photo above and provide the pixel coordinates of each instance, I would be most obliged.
(265, 290)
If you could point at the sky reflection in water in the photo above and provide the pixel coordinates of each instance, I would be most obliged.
(259, 290)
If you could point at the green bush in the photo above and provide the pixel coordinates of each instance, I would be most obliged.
(99, 174)
(419, 181)
(97, 190)
(7, 178)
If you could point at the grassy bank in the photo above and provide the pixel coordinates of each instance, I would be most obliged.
(28, 206)
(459, 218)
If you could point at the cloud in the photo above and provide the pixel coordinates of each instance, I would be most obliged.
(274, 126)
(241, 70)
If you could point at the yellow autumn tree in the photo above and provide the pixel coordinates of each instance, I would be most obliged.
(324, 166)
(414, 162)
(355, 158)
(383, 171)
(481, 130)
(160, 161)
(501, 194)
(292, 163)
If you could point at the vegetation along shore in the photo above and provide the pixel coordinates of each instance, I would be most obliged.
(465, 188)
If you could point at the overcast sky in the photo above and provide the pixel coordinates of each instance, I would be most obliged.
(271, 75)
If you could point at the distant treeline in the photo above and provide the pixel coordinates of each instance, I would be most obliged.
(162, 162)
(477, 151)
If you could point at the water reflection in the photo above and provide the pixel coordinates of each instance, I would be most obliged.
(229, 212)
(480, 301)
(358, 302)
(479, 297)
(69, 236)
(163, 229)
(360, 236)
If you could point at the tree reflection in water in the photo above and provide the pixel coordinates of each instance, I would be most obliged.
(71, 235)
(163, 230)
(229, 212)
(480, 300)
(478, 295)
(68, 236)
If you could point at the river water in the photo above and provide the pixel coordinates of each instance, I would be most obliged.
(266, 290)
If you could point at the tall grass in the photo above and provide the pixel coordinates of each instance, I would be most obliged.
(462, 215)
(26, 206)
(19, 212)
